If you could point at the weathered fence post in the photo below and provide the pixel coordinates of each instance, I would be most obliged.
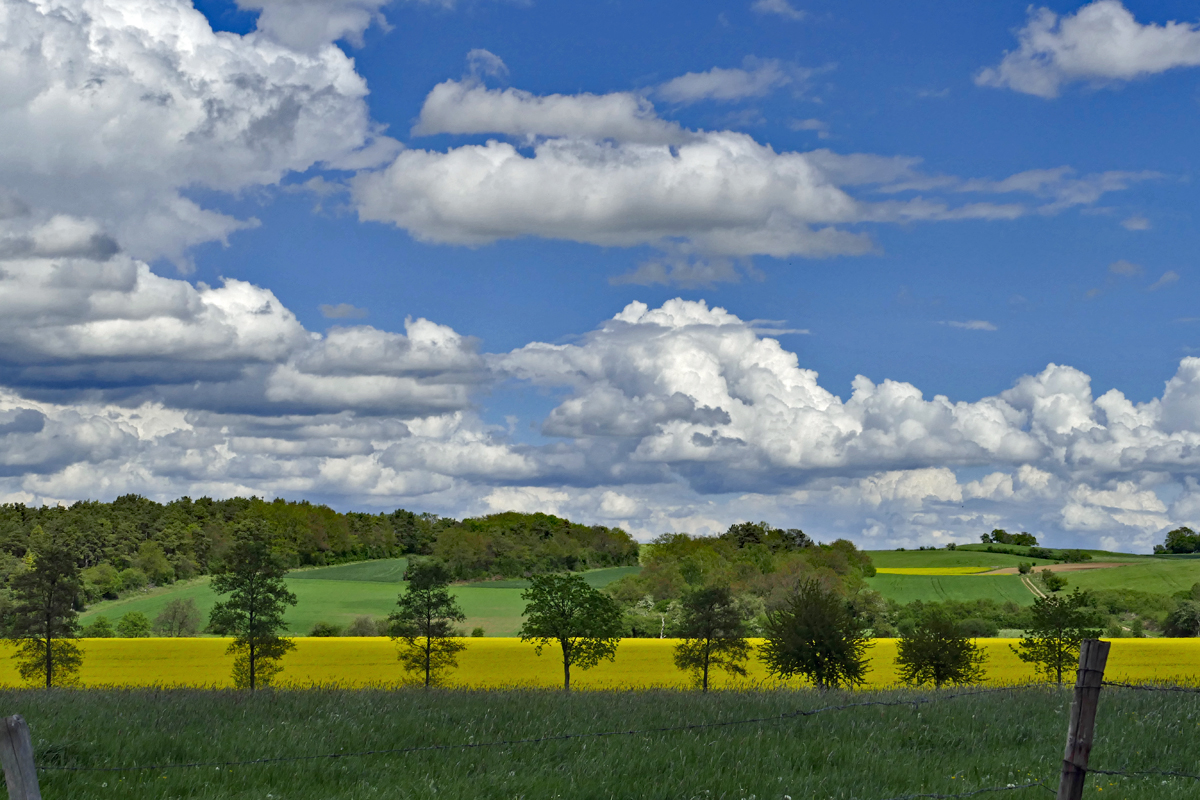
(16, 754)
(1093, 654)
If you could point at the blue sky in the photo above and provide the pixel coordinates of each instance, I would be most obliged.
(666, 266)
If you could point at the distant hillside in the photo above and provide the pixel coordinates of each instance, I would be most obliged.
(131, 542)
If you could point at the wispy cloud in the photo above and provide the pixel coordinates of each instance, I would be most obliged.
(1136, 223)
(1168, 277)
(342, 311)
(781, 8)
(1126, 268)
(971, 325)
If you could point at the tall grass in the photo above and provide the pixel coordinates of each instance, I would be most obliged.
(864, 753)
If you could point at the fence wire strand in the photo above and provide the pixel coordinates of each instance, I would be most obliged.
(1148, 687)
(914, 702)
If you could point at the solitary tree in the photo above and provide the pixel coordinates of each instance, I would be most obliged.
(423, 625)
(584, 622)
(253, 614)
(44, 620)
(937, 652)
(1060, 624)
(180, 617)
(816, 634)
(713, 633)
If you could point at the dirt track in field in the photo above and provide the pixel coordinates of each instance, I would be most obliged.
(1061, 567)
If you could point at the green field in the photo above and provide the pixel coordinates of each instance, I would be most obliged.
(894, 559)
(947, 748)
(906, 588)
(339, 594)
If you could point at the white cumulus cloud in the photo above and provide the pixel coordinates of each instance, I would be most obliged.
(1101, 42)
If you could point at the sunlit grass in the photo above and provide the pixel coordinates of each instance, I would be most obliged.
(499, 662)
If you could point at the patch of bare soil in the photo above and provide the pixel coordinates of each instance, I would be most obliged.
(1062, 567)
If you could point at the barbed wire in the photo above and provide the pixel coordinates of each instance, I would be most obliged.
(914, 702)
(1144, 773)
(1146, 687)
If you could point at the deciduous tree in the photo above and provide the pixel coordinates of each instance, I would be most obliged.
(1060, 624)
(180, 617)
(253, 614)
(713, 633)
(816, 634)
(565, 609)
(937, 651)
(423, 623)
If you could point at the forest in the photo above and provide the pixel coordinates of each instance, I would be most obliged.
(133, 542)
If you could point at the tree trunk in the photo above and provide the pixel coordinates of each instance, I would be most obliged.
(566, 648)
(428, 651)
(250, 651)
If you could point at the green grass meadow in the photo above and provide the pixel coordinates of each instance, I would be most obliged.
(949, 747)
(340, 593)
(907, 588)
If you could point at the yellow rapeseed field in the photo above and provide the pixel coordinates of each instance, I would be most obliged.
(932, 570)
(497, 662)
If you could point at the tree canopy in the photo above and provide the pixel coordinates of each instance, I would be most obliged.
(938, 651)
(816, 634)
(253, 613)
(586, 624)
(714, 634)
(423, 623)
(1059, 623)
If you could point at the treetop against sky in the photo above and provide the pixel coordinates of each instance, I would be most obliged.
(903, 273)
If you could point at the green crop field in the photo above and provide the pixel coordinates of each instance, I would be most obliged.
(1158, 575)
(340, 593)
(946, 748)
(906, 588)
(891, 559)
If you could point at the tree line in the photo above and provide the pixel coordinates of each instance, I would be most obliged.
(134, 542)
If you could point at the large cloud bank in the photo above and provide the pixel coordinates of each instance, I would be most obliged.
(116, 379)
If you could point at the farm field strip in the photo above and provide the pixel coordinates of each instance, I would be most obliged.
(507, 662)
(933, 570)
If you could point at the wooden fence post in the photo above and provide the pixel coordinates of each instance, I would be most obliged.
(1093, 655)
(16, 754)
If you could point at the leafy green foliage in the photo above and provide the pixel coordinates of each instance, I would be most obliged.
(816, 634)
(253, 614)
(325, 629)
(750, 558)
(1184, 620)
(713, 633)
(423, 623)
(937, 651)
(1181, 540)
(100, 628)
(1058, 624)
(1001, 536)
(565, 609)
(134, 625)
(44, 621)
(1052, 581)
